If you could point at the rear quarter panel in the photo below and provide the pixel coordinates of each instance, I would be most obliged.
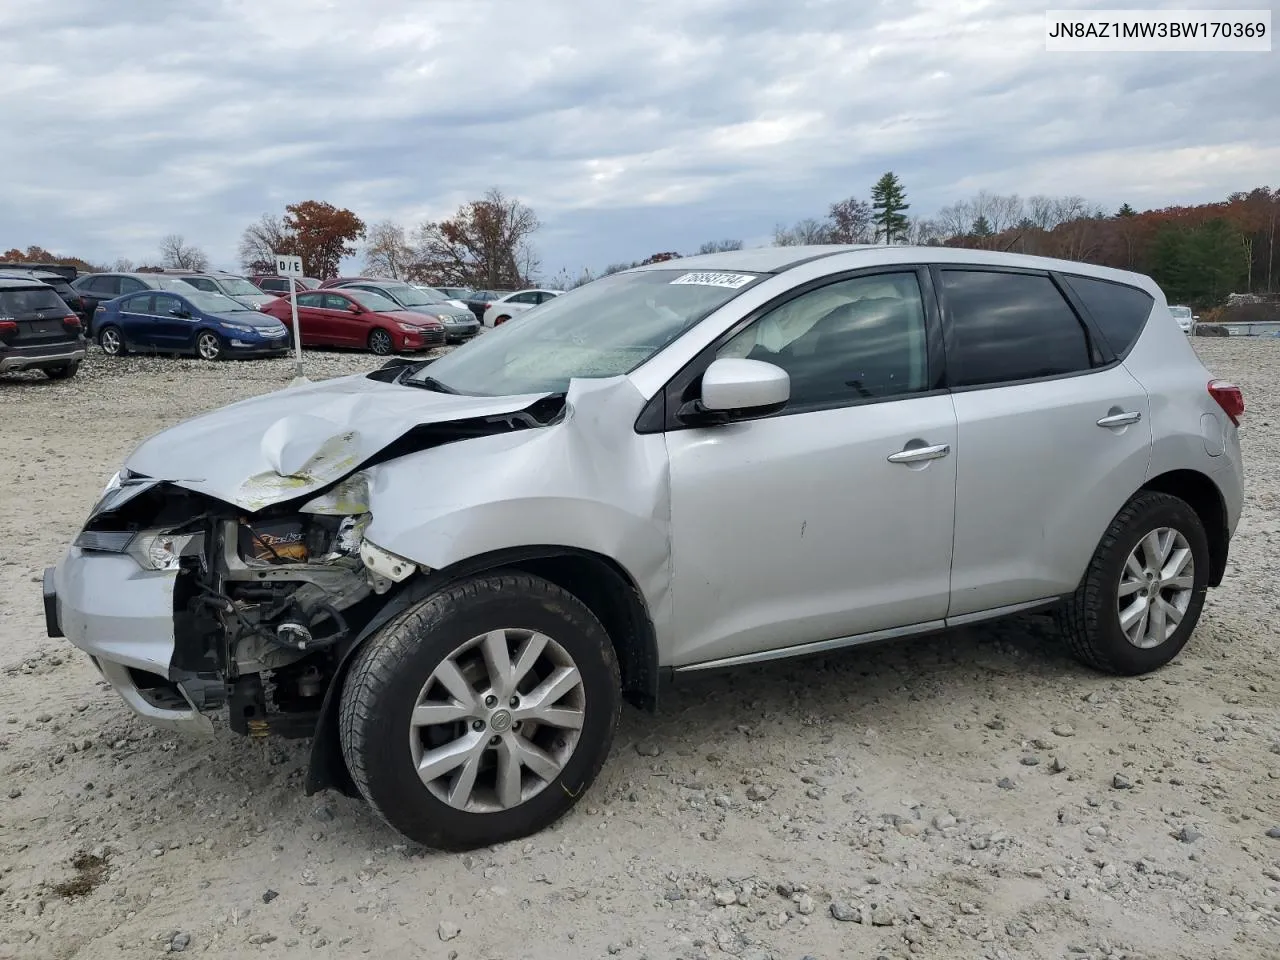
(1164, 361)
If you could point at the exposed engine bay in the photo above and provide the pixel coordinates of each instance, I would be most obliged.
(264, 603)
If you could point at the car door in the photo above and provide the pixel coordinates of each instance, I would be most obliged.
(313, 330)
(136, 322)
(1053, 436)
(344, 327)
(173, 330)
(100, 289)
(831, 519)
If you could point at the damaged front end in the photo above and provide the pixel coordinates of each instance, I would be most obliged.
(261, 604)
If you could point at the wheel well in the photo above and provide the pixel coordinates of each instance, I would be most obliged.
(608, 592)
(1202, 495)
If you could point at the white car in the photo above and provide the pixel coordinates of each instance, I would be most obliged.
(1186, 319)
(500, 311)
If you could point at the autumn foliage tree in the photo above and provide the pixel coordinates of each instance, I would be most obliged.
(485, 245)
(323, 234)
(37, 254)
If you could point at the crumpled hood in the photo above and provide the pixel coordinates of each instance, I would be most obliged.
(275, 447)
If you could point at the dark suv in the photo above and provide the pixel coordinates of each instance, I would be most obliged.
(61, 286)
(37, 330)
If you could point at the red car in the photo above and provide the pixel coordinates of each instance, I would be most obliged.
(356, 318)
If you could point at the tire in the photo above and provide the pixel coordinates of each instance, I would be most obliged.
(64, 372)
(380, 343)
(398, 666)
(209, 346)
(500, 321)
(1091, 618)
(111, 340)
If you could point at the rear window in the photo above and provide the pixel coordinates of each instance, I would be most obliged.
(26, 301)
(1119, 310)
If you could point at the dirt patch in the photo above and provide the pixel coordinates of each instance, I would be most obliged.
(91, 870)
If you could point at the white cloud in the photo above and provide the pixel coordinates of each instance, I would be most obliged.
(660, 126)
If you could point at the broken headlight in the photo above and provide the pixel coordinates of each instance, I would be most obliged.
(152, 549)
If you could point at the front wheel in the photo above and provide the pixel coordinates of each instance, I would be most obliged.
(209, 345)
(380, 343)
(1145, 587)
(482, 714)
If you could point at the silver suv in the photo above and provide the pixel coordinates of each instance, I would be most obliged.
(451, 573)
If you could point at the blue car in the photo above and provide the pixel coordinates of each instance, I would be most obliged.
(210, 325)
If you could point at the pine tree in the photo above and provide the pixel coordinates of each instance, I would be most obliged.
(982, 227)
(888, 201)
(1126, 211)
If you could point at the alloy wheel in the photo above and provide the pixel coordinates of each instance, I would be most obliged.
(380, 343)
(110, 342)
(208, 346)
(1156, 586)
(497, 720)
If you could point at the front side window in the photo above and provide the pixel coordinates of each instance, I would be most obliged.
(334, 302)
(163, 305)
(310, 299)
(1007, 327)
(606, 328)
(856, 339)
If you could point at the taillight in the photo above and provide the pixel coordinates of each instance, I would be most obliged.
(488, 305)
(71, 320)
(8, 327)
(1229, 398)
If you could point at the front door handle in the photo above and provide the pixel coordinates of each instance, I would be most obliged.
(1120, 419)
(917, 454)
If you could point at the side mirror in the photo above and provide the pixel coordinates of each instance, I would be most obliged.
(734, 388)
(178, 312)
(356, 308)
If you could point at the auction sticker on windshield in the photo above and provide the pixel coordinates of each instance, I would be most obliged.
(731, 280)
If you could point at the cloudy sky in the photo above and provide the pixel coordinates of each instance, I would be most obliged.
(674, 122)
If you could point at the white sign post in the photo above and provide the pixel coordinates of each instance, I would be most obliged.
(290, 266)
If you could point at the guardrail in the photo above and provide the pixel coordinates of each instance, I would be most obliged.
(1256, 328)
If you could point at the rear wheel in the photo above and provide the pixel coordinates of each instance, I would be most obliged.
(380, 342)
(500, 321)
(112, 341)
(64, 372)
(483, 714)
(209, 346)
(1145, 587)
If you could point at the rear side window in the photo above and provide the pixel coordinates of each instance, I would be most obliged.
(131, 285)
(25, 302)
(104, 285)
(202, 283)
(142, 304)
(1118, 310)
(310, 299)
(1007, 327)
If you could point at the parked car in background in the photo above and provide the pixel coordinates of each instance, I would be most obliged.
(61, 285)
(98, 288)
(478, 301)
(38, 331)
(486, 541)
(279, 286)
(439, 294)
(229, 285)
(211, 326)
(1185, 318)
(500, 311)
(456, 293)
(356, 318)
(459, 324)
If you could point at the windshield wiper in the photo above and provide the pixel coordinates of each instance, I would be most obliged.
(428, 383)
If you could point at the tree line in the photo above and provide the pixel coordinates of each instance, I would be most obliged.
(1197, 253)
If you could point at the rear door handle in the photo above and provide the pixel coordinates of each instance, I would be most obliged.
(1120, 419)
(916, 454)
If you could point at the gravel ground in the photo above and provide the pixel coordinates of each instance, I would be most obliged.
(973, 795)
